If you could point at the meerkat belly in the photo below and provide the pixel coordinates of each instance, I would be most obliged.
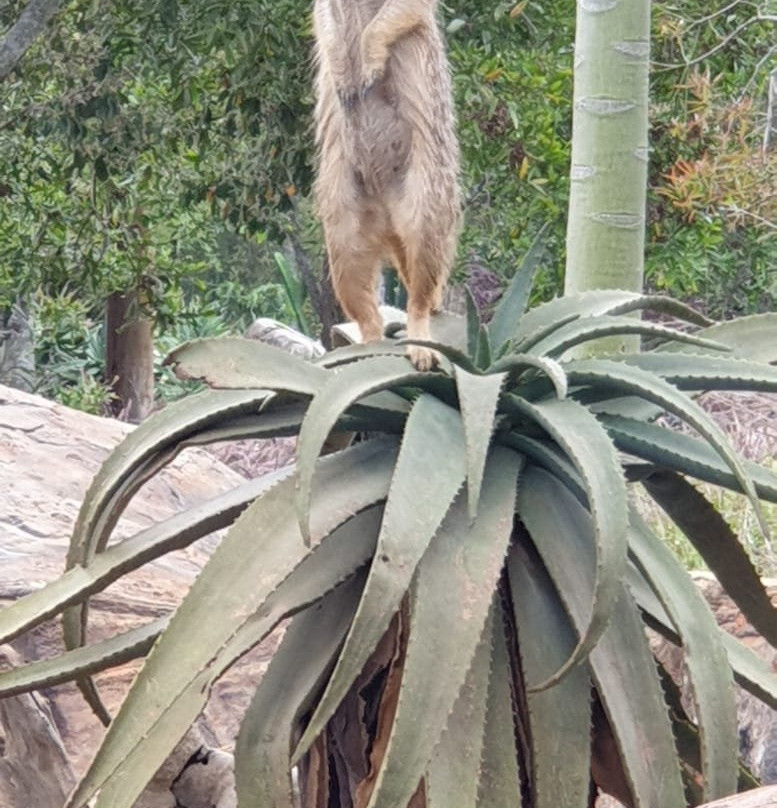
(382, 143)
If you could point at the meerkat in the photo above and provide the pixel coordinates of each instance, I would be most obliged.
(387, 188)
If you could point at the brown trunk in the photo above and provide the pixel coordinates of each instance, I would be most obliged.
(340, 770)
(129, 360)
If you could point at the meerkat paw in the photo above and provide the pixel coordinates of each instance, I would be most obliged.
(374, 59)
(348, 97)
(423, 358)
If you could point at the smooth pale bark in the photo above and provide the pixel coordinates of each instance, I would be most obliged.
(606, 224)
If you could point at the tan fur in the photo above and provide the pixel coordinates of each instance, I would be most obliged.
(387, 186)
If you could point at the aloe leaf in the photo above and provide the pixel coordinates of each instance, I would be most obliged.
(630, 691)
(347, 354)
(528, 341)
(546, 455)
(250, 579)
(621, 661)
(430, 470)
(340, 554)
(473, 325)
(295, 674)
(591, 328)
(710, 676)
(445, 626)
(598, 302)
(478, 399)
(678, 451)
(661, 304)
(686, 735)
(454, 770)
(133, 460)
(500, 772)
(694, 372)
(346, 386)
(240, 363)
(295, 291)
(583, 439)
(552, 369)
(751, 672)
(718, 545)
(753, 337)
(140, 455)
(560, 717)
(512, 305)
(604, 302)
(447, 351)
(483, 355)
(650, 387)
(90, 659)
(173, 533)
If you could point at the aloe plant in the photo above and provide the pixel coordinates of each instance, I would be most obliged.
(467, 584)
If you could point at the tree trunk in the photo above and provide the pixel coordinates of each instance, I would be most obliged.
(606, 224)
(17, 344)
(770, 133)
(129, 360)
(24, 32)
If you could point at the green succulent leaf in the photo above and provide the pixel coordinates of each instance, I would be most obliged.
(346, 386)
(500, 772)
(547, 455)
(630, 690)
(473, 325)
(174, 533)
(753, 337)
(478, 399)
(549, 367)
(454, 770)
(621, 661)
(751, 672)
(515, 299)
(240, 363)
(718, 545)
(256, 576)
(590, 328)
(455, 355)
(600, 303)
(294, 676)
(669, 449)
(483, 354)
(463, 557)
(141, 455)
(633, 380)
(430, 471)
(586, 444)
(709, 673)
(560, 716)
(82, 661)
(693, 372)
(360, 350)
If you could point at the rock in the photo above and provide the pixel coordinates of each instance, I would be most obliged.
(34, 766)
(48, 456)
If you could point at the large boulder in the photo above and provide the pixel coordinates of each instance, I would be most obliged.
(48, 456)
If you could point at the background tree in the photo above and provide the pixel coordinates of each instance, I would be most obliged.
(165, 149)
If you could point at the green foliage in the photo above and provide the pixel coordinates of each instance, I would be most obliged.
(515, 626)
(516, 150)
(168, 144)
